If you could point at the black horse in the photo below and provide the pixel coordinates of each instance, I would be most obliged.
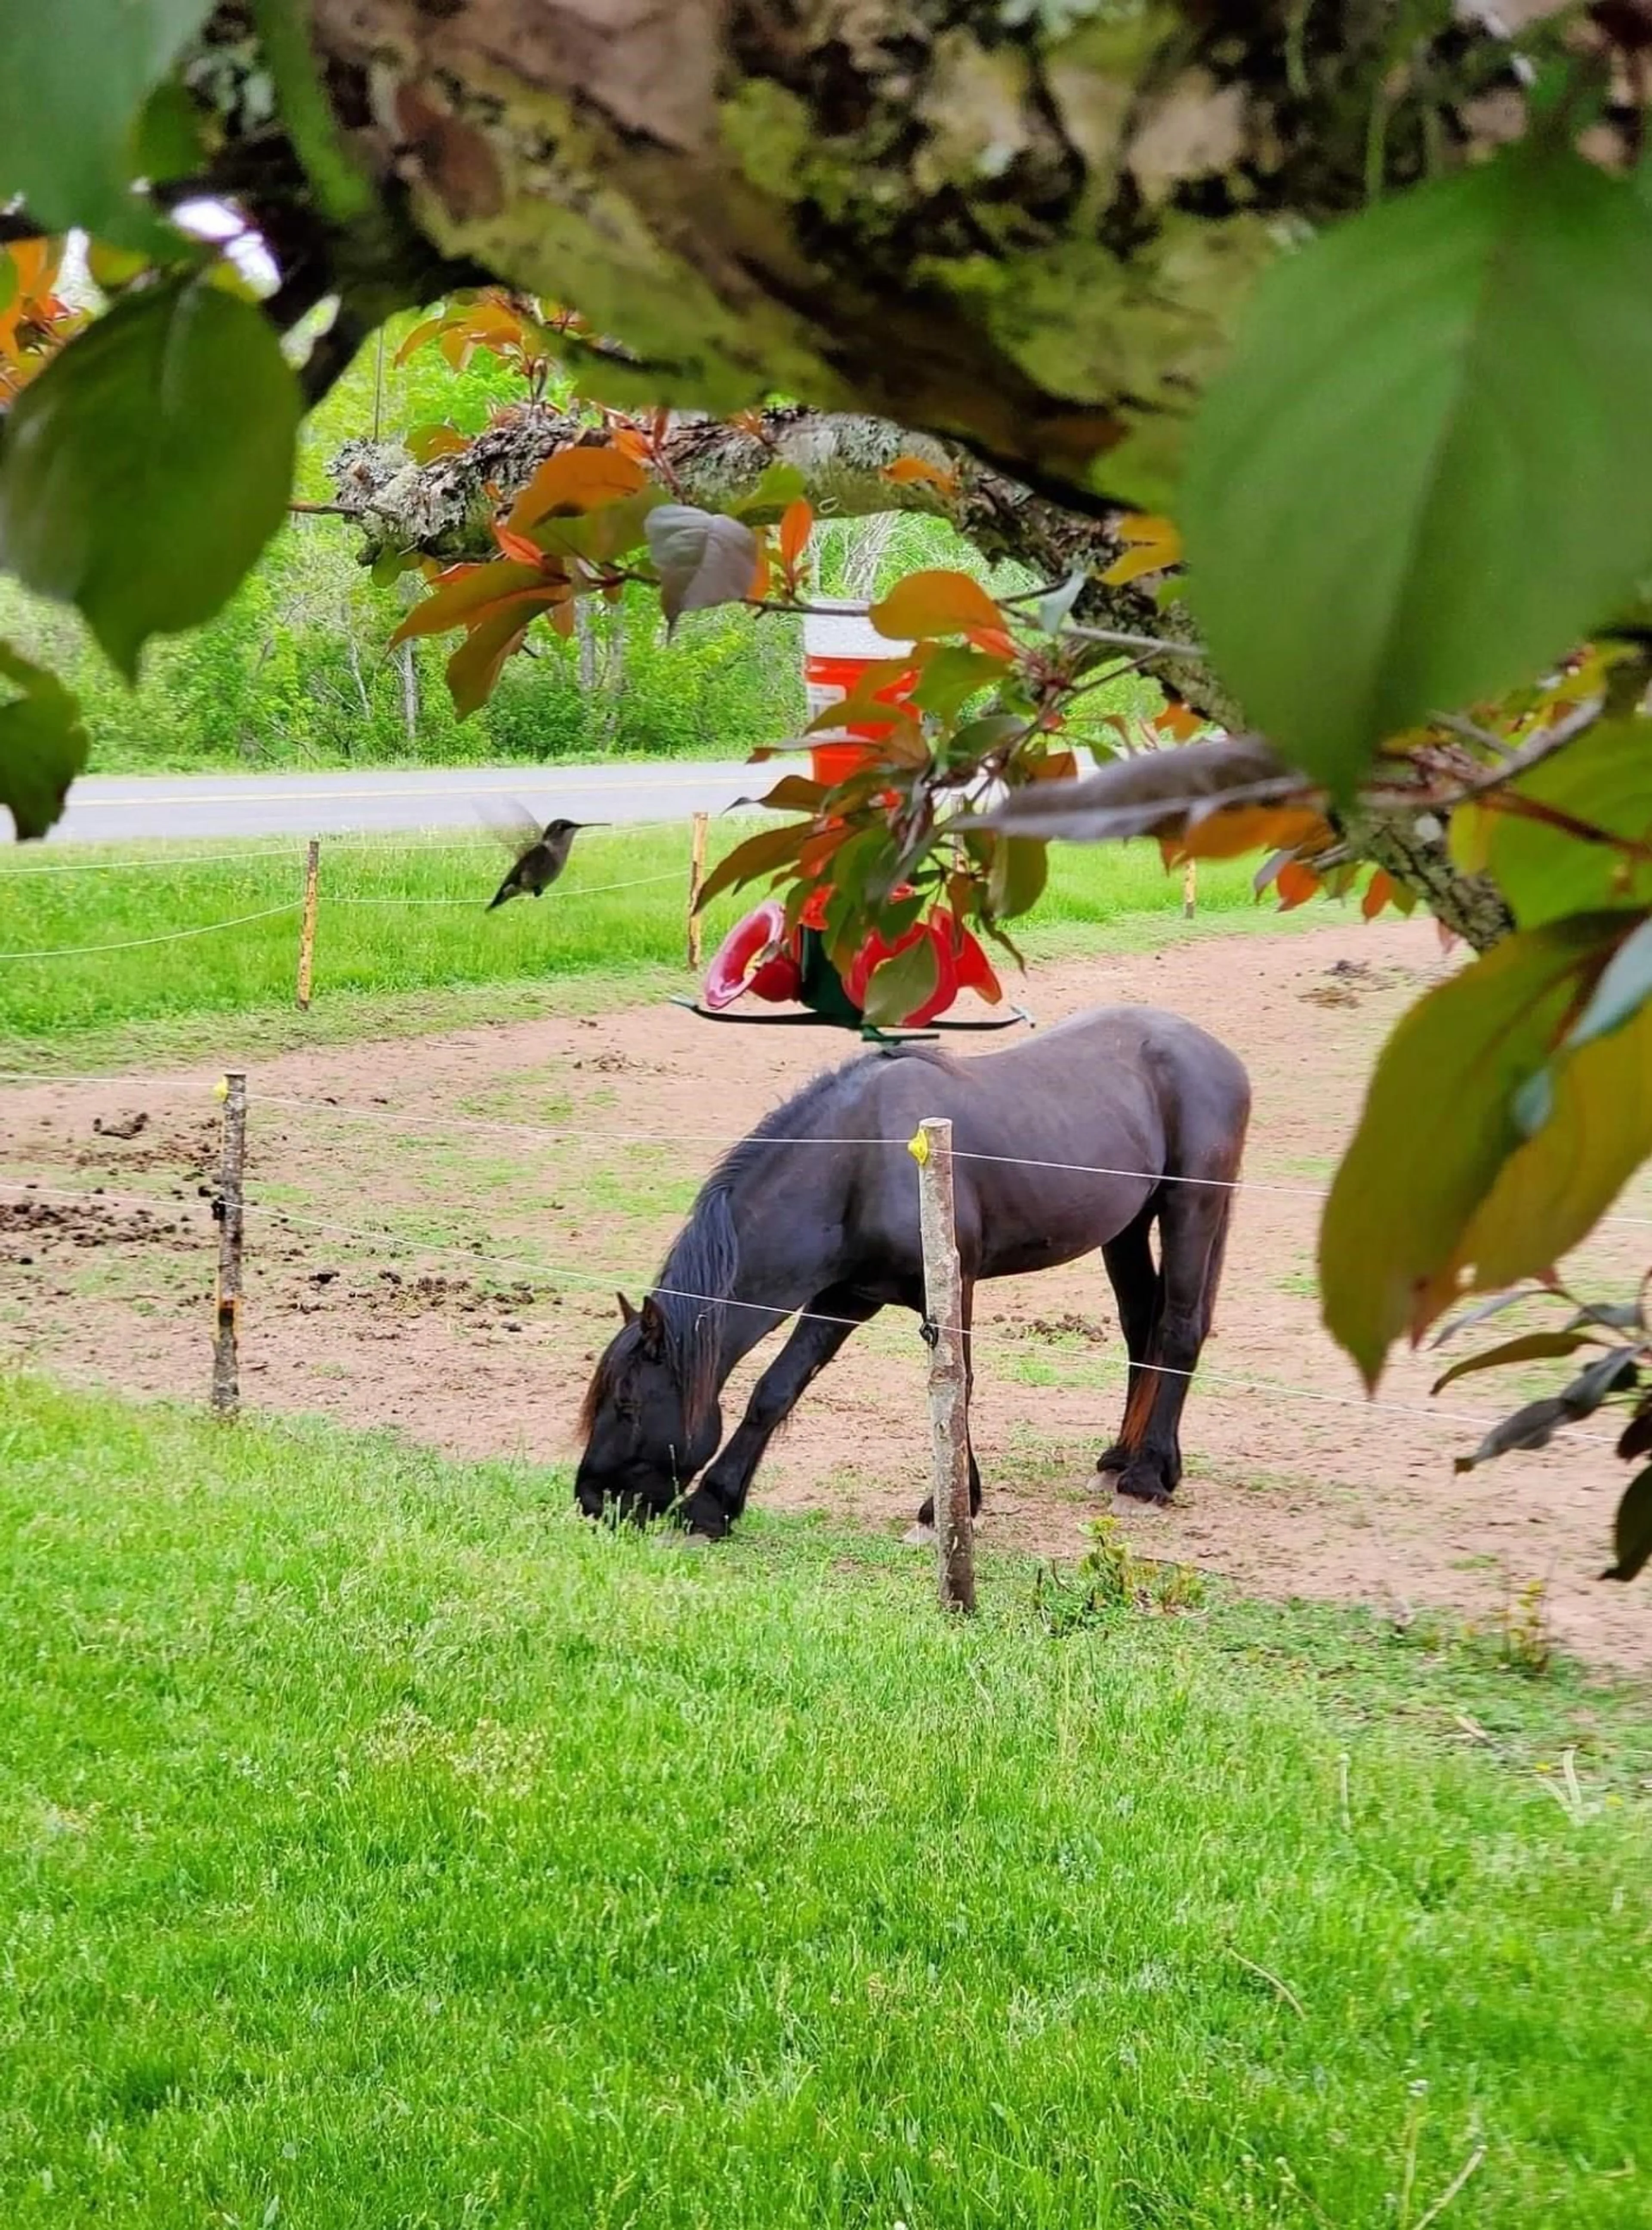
(1085, 1136)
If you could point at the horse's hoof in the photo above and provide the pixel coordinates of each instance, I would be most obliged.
(1114, 1459)
(705, 1519)
(919, 1536)
(1143, 1484)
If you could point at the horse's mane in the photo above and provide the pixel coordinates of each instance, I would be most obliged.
(701, 1269)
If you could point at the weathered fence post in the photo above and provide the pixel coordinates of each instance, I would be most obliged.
(306, 925)
(1190, 890)
(948, 1382)
(696, 878)
(226, 1379)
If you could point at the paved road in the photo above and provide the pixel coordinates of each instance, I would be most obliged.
(115, 809)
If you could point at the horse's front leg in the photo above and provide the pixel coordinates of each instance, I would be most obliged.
(819, 1333)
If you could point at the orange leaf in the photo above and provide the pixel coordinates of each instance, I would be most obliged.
(1179, 722)
(1152, 545)
(631, 442)
(1230, 833)
(474, 668)
(561, 616)
(463, 592)
(517, 545)
(578, 480)
(420, 333)
(761, 574)
(907, 470)
(796, 521)
(935, 603)
(1296, 885)
(992, 641)
(1381, 889)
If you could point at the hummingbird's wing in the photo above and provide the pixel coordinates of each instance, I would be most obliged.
(511, 825)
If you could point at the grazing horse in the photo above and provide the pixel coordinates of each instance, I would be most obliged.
(1085, 1136)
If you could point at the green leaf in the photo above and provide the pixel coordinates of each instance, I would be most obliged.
(1427, 468)
(1632, 1529)
(1437, 1129)
(1624, 987)
(42, 743)
(74, 75)
(702, 558)
(1554, 1186)
(1532, 1347)
(8, 282)
(899, 985)
(1603, 777)
(781, 484)
(1020, 870)
(145, 469)
(951, 676)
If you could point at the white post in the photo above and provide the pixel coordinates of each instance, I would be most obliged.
(226, 1380)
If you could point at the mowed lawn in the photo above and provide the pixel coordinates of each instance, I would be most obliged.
(123, 940)
(384, 1847)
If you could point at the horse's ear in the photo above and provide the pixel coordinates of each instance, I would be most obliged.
(628, 1314)
(652, 1320)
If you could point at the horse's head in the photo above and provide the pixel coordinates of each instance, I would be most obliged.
(650, 1420)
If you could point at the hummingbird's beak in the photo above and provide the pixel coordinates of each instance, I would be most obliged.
(590, 824)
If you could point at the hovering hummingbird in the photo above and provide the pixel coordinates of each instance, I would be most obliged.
(541, 855)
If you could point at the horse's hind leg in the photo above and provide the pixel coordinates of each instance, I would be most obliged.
(1134, 1277)
(819, 1333)
(1193, 1235)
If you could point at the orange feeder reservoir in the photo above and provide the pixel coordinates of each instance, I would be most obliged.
(839, 644)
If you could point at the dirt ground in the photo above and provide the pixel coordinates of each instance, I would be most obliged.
(424, 1253)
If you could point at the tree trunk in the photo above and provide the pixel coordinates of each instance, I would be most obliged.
(1029, 230)
(409, 693)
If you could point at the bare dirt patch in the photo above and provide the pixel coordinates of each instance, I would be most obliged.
(437, 1229)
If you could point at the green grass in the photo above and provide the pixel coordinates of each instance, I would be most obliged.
(392, 966)
(383, 1848)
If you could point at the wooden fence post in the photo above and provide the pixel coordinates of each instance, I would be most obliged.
(306, 925)
(1190, 890)
(226, 1380)
(948, 1382)
(696, 878)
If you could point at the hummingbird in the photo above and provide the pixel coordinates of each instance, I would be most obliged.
(541, 855)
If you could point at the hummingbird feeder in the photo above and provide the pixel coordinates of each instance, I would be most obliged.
(761, 957)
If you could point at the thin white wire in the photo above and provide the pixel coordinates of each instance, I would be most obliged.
(171, 936)
(551, 1133)
(569, 889)
(553, 1274)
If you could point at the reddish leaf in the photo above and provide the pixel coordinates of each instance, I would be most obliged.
(1377, 893)
(796, 522)
(993, 641)
(934, 603)
(1296, 885)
